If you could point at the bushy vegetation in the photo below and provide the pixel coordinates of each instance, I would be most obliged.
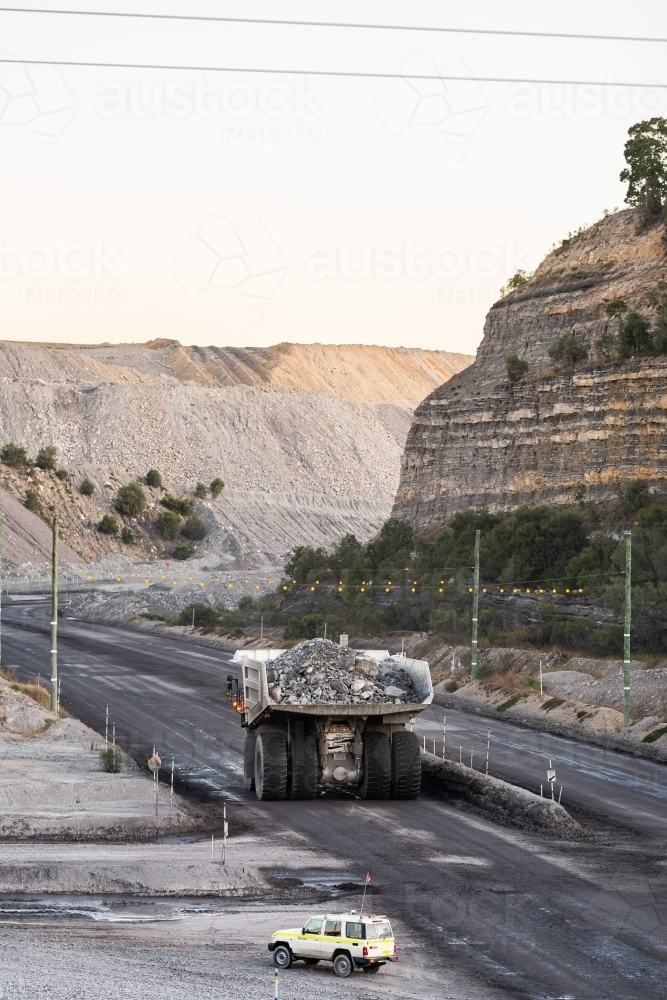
(62, 474)
(516, 368)
(168, 524)
(184, 551)
(216, 487)
(46, 457)
(200, 491)
(516, 281)
(180, 505)
(154, 479)
(32, 501)
(13, 455)
(646, 172)
(194, 528)
(128, 537)
(87, 487)
(568, 349)
(130, 500)
(108, 525)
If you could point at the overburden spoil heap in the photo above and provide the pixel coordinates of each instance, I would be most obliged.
(320, 672)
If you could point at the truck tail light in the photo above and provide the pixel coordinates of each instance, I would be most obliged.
(365, 952)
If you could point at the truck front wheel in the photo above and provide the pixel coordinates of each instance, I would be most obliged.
(377, 766)
(270, 766)
(406, 765)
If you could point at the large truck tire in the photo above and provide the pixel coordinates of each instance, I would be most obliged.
(303, 780)
(270, 766)
(406, 765)
(249, 762)
(376, 783)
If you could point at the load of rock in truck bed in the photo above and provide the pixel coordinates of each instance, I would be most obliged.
(320, 672)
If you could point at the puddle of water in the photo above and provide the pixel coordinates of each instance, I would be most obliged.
(332, 883)
(118, 910)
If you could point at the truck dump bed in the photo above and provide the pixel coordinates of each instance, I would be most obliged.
(258, 701)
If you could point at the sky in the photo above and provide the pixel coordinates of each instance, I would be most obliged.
(240, 208)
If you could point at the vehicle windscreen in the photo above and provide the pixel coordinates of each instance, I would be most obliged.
(314, 926)
(378, 932)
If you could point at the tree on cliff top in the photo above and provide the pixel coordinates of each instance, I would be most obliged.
(646, 173)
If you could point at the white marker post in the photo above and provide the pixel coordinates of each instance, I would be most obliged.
(551, 777)
(444, 735)
(154, 764)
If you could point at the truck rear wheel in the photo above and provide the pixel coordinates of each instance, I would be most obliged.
(249, 762)
(406, 766)
(270, 766)
(377, 767)
(303, 779)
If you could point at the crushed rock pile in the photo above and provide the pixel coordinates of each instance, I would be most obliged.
(319, 671)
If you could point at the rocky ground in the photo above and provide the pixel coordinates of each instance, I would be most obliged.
(53, 785)
(579, 695)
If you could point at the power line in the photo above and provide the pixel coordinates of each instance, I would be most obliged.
(354, 74)
(338, 24)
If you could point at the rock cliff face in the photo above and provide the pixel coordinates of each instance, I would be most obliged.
(479, 442)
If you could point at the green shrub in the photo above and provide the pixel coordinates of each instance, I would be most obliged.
(606, 641)
(108, 525)
(32, 501)
(568, 348)
(110, 759)
(570, 634)
(62, 475)
(184, 551)
(87, 487)
(14, 455)
(127, 536)
(606, 345)
(168, 524)
(130, 500)
(516, 281)
(516, 368)
(200, 491)
(180, 505)
(154, 479)
(194, 529)
(46, 457)
(311, 626)
(635, 335)
(204, 615)
(216, 487)
(635, 496)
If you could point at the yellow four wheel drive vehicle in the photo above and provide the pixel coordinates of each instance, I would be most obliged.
(348, 940)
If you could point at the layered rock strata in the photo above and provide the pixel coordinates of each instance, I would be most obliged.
(478, 441)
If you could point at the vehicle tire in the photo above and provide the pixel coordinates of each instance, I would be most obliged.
(312, 961)
(249, 762)
(342, 965)
(406, 765)
(270, 766)
(303, 779)
(376, 783)
(282, 957)
(372, 968)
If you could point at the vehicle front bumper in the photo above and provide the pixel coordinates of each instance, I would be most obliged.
(271, 945)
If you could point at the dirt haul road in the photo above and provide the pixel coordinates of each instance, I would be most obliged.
(513, 914)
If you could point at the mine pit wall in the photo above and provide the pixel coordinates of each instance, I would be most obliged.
(477, 441)
(536, 443)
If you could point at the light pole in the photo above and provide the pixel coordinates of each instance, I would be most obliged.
(54, 618)
(626, 630)
(475, 606)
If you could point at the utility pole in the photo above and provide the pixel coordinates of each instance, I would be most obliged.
(54, 618)
(626, 630)
(1, 527)
(475, 606)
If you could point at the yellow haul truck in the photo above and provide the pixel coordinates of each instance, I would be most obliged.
(294, 751)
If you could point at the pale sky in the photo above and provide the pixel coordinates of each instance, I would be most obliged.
(244, 209)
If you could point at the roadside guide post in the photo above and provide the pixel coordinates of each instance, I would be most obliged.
(444, 735)
(275, 986)
(475, 607)
(488, 747)
(106, 729)
(225, 831)
(171, 789)
(551, 777)
(113, 741)
(154, 764)
(626, 630)
(540, 678)
(54, 618)
(363, 898)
